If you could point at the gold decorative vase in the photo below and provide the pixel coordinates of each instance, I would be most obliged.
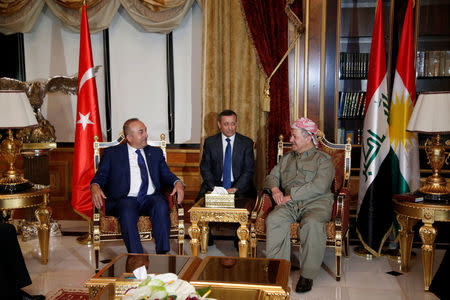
(435, 187)
(12, 180)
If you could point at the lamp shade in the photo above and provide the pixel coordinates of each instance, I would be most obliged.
(431, 113)
(15, 110)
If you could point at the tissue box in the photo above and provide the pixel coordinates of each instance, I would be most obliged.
(219, 201)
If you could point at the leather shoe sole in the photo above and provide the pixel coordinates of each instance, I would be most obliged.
(303, 285)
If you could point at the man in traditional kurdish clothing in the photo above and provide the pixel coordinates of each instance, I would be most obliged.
(301, 187)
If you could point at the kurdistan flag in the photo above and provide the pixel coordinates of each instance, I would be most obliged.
(374, 221)
(404, 144)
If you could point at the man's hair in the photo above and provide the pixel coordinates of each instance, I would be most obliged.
(227, 112)
(126, 125)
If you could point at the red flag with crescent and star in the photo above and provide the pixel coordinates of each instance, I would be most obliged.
(87, 125)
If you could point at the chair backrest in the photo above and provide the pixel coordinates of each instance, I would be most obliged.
(121, 139)
(340, 154)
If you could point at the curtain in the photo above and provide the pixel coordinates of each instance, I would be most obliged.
(160, 16)
(268, 25)
(19, 15)
(231, 77)
(100, 13)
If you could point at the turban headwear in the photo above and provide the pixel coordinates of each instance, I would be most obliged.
(308, 125)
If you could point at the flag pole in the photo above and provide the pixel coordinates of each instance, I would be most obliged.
(87, 126)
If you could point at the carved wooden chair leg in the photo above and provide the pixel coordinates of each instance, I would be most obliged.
(181, 239)
(180, 230)
(97, 254)
(338, 254)
(253, 241)
(338, 266)
(96, 238)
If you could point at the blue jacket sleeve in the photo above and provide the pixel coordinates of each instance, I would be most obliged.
(102, 175)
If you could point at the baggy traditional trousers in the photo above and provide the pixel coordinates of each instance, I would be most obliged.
(313, 218)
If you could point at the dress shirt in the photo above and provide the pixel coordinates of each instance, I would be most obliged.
(224, 147)
(135, 173)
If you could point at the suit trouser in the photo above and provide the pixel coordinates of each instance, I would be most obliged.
(313, 218)
(156, 206)
(13, 271)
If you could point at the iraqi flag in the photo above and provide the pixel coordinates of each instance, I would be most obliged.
(374, 221)
(87, 125)
(404, 144)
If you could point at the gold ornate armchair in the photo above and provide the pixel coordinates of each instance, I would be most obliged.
(107, 228)
(337, 227)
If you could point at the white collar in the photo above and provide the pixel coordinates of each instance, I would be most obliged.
(132, 149)
(224, 137)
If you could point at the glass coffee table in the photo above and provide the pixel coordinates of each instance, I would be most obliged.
(200, 216)
(228, 275)
(119, 271)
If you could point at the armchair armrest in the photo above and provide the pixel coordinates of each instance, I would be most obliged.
(341, 210)
(263, 205)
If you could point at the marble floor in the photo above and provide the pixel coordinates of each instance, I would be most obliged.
(70, 265)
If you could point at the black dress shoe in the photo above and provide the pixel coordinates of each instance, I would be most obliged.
(162, 252)
(26, 296)
(303, 285)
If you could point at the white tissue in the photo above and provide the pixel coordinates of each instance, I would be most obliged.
(140, 273)
(219, 190)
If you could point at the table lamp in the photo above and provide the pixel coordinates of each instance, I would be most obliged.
(15, 112)
(431, 116)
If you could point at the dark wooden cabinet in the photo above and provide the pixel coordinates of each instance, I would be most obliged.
(355, 39)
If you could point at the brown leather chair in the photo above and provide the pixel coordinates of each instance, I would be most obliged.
(337, 227)
(107, 228)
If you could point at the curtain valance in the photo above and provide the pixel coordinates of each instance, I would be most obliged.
(159, 16)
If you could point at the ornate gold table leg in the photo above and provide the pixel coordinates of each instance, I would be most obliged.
(194, 233)
(406, 239)
(243, 234)
(43, 217)
(204, 237)
(427, 234)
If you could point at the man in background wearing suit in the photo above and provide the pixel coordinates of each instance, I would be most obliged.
(129, 177)
(238, 177)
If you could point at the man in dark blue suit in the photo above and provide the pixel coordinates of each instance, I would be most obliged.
(242, 159)
(129, 177)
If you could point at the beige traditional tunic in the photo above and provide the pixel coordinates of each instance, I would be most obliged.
(307, 178)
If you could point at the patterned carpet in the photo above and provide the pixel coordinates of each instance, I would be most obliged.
(69, 294)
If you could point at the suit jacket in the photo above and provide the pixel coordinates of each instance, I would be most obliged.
(113, 174)
(243, 165)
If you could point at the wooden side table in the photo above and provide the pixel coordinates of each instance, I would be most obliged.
(409, 213)
(37, 196)
(200, 216)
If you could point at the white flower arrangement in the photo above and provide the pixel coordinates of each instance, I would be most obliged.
(164, 287)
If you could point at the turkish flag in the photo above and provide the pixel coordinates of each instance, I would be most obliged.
(87, 125)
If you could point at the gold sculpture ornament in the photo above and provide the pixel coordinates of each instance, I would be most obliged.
(36, 92)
